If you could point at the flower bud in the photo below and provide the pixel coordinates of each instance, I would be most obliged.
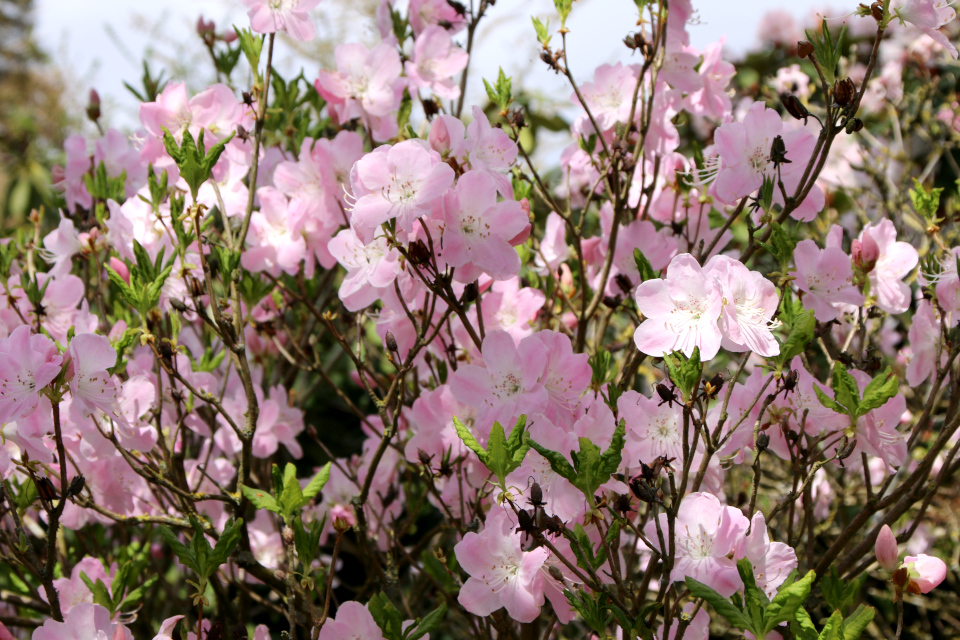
(288, 536)
(93, 106)
(853, 125)
(876, 10)
(763, 441)
(120, 267)
(886, 549)
(804, 48)
(76, 485)
(795, 108)
(229, 36)
(844, 91)
(419, 253)
(865, 252)
(391, 342)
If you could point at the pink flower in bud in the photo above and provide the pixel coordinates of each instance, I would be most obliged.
(228, 37)
(865, 252)
(926, 572)
(120, 267)
(204, 27)
(94, 98)
(886, 549)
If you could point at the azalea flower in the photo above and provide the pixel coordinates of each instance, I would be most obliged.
(353, 621)
(894, 260)
(502, 575)
(681, 311)
(28, 363)
(712, 100)
(92, 387)
(86, 621)
(928, 16)
(653, 428)
(749, 302)
(772, 561)
(435, 61)
(707, 541)
(825, 276)
(276, 244)
(926, 572)
(370, 268)
(289, 16)
(925, 340)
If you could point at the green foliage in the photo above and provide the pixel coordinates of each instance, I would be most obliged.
(146, 280)
(644, 266)
(684, 372)
(599, 612)
(802, 330)
(199, 556)
(926, 203)
(590, 467)
(151, 86)
(500, 94)
(563, 8)
(756, 613)
(390, 620)
(781, 244)
(192, 158)
(836, 627)
(827, 50)
(846, 394)
(543, 31)
(102, 187)
(251, 44)
(288, 497)
(503, 454)
(307, 539)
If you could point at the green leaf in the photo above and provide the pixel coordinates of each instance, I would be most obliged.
(716, 219)
(563, 8)
(517, 444)
(720, 604)
(754, 599)
(307, 540)
(643, 266)
(856, 623)
(429, 623)
(789, 599)
(184, 553)
(101, 595)
(802, 626)
(470, 440)
(498, 458)
(600, 366)
(137, 594)
(406, 107)
(225, 546)
(387, 617)
(251, 45)
(845, 389)
(557, 461)
(927, 203)
(612, 457)
(831, 629)
(260, 499)
(882, 388)
(502, 93)
(543, 31)
(318, 482)
(801, 334)
(827, 401)
(684, 372)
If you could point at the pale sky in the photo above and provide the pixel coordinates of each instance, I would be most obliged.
(101, 43)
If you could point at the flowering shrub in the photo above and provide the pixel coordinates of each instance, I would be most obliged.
(336, 358)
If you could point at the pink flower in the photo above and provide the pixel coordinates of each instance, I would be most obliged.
(477, 229)
(501, 573)
(658, 246)
(282, 15)
(28, 363)
(744, 150)
(366, 85)
(609, 96)
(215, 110)
(707, 539)
(554, 249)
(681, 312)
(924, 337)
(92, 387)
(165, 632)
(488, 149)
(435, 61)
(370, 268)
(825, 276)
(85, 621)
(653, 428)
(926, 572)
(276, 244)
(772, 561)
(886, 549)
(750, 300)
(512, 308)
(928, 16)
(424, 13)
(712, 100)
(353, 621)
(509, 384)
(893, 262)
(402, 182)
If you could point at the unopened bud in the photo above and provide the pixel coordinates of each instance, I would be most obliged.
(430, 108)
(391, 342)
(288, 536)
(844, 91)
(853, 125)
(876, 10)
(623, 283)
(340, 525)
(804, 48)
(886, 549)
(865, 252)
(177, 304)
(763, 441)
(846, 448)
(93, 106)
(46, 490)
(795, 108)
(424, 457)
(76, 485)
(120, 267)
(419, 253)
(555, 573)
(470, 292)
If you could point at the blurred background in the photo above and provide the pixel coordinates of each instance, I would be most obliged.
(52, 52)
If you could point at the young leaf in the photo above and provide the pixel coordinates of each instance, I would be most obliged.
(789, 599)
(318, 482)
(721, 605)
(882, 388)
(856, 623)
(469, 440)
(429, 623)
(557, 461)
(225, 546)
(801, 334)
(643, 266)
(845, 389)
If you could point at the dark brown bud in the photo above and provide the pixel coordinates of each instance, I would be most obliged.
(795, 108)
(635, 41)
(536, 495)
(425, 458)
(242, 133)
(247, 99)
(419, 253)
(76, 485)
(430, 108)
(525, 522)
(555, 573)
(763, 441)
(196, 289)
(854, 125)
(177, 304)
(623, 283)
(391, 342)
(166, 349)
(611, 302)
(713, 385)
(901, 577)
(470, 292)
(846, 448)
(844, 91)
(876, 10)
(46, 490)
(459, 7)
(804, 48)
(778, 152)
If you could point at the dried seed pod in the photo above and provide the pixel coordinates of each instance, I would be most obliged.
(854, 125)
(795, 108)
(844, 91)
(804, 49)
